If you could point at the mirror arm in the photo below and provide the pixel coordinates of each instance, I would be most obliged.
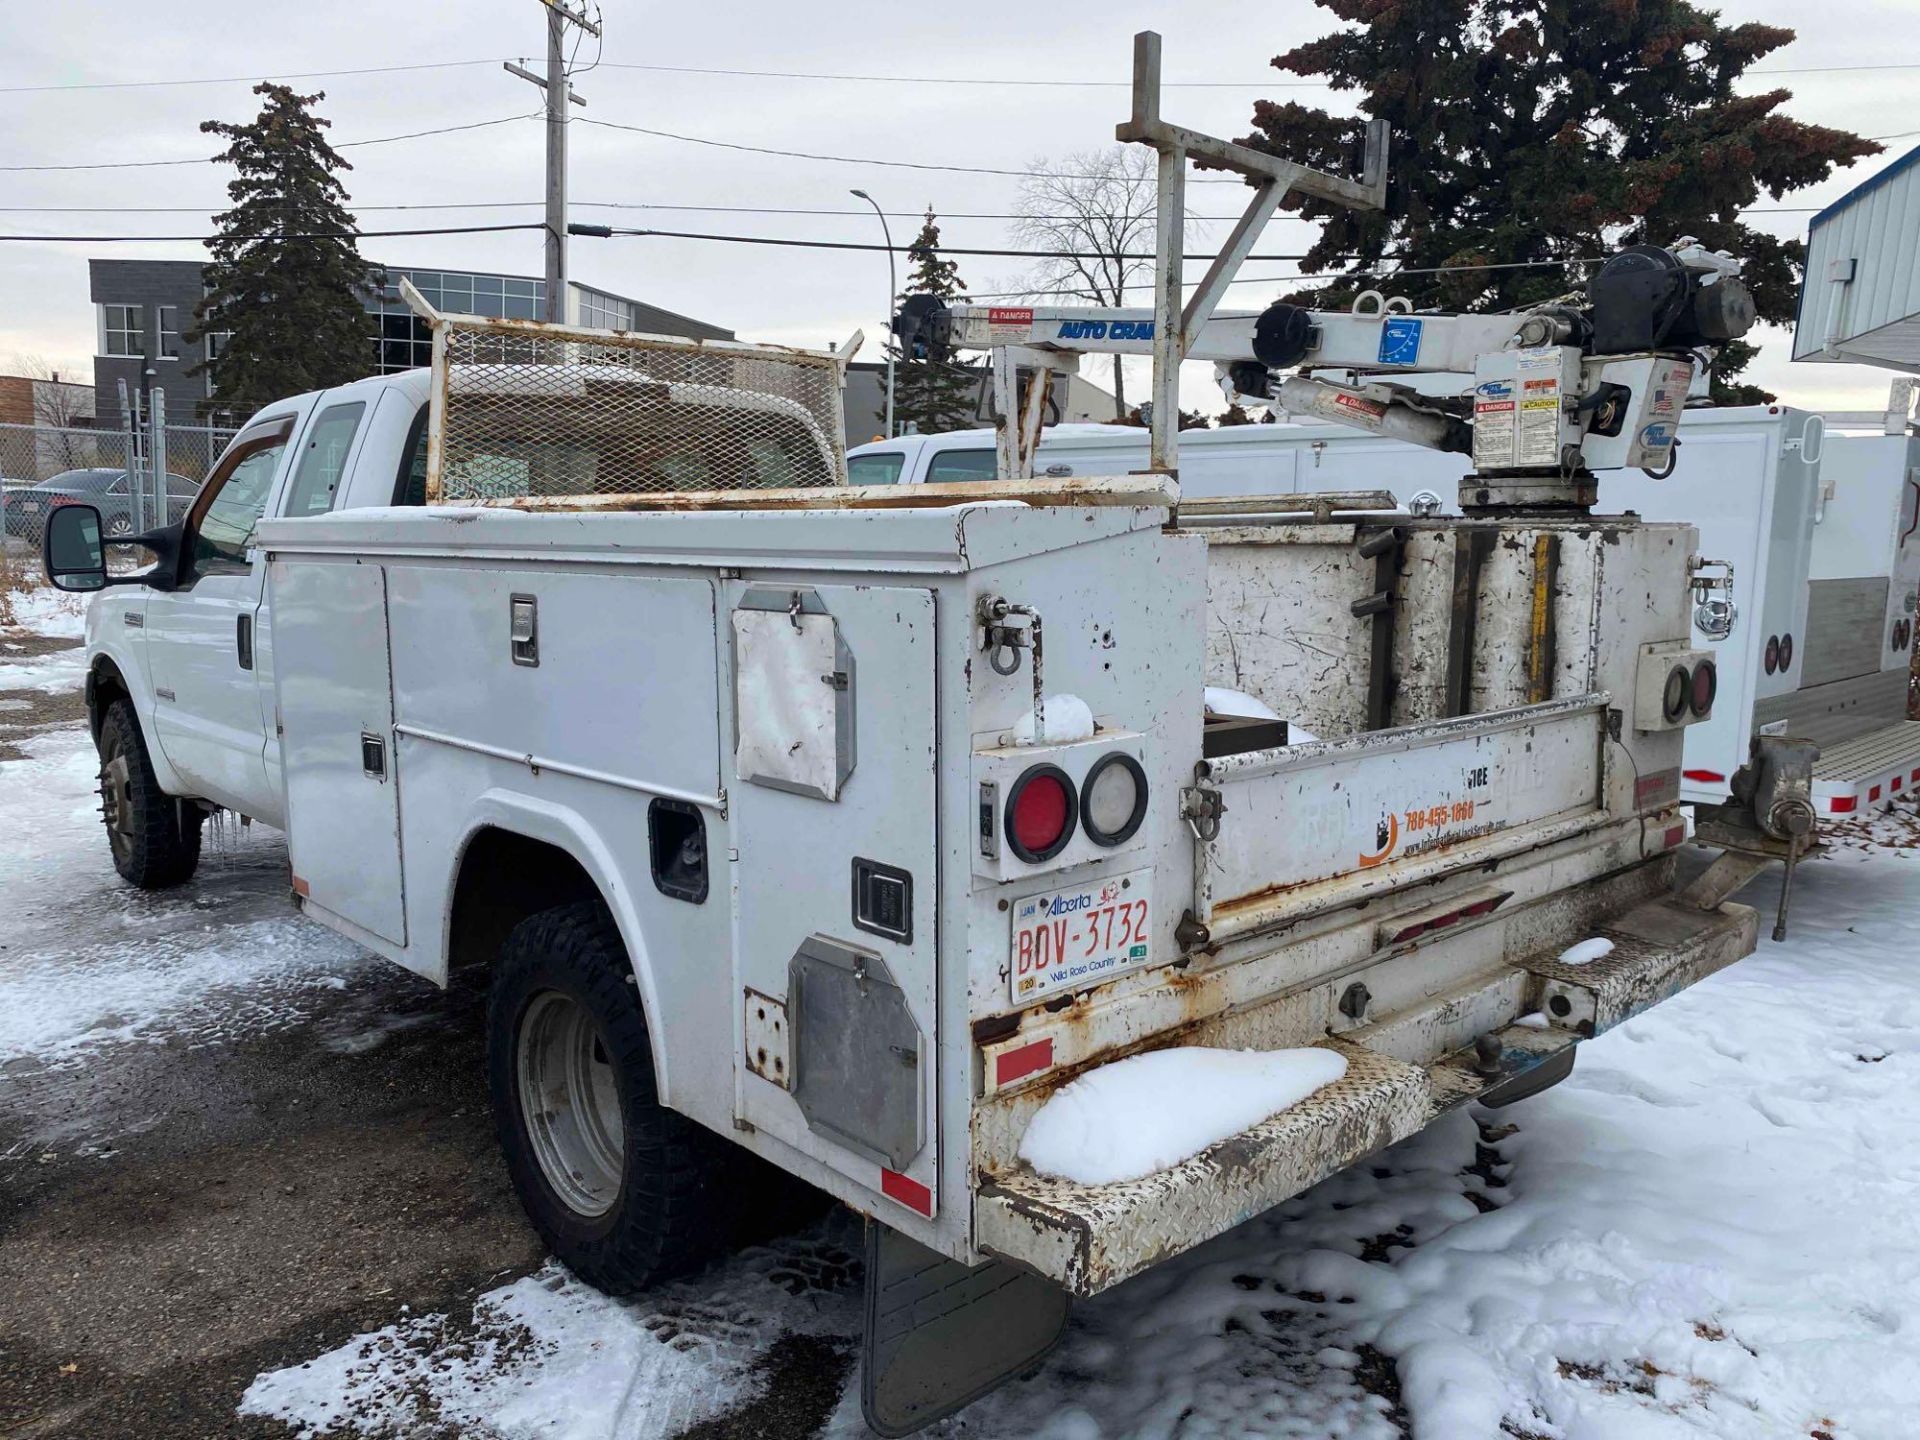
(166, 545)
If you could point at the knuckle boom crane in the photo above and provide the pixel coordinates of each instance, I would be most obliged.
(1559, 391)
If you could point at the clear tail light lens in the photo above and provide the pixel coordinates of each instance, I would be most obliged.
(1113, 801)
(1673, 696)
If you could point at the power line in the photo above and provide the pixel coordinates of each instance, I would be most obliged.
(941, 215)
(301, 235)
(1057, 83)
(928, 165)
(1050, 83)
(854, 159)
(907, 249)
(342, 145)
(1047, 82)
(240, 79)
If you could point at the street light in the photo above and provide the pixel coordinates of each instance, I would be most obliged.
(892, 290)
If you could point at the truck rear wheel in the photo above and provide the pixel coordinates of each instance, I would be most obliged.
(623, 1190)
(155, 838)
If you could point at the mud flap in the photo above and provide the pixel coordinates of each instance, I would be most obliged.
(940, 1335)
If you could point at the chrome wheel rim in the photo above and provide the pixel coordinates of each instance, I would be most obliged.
(570, 1102)
(120, 525)
(116, 807)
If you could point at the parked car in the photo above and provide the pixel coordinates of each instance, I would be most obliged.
(106, 488)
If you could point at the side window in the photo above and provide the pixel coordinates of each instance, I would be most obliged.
(961, 465)
(323, 459)
(231, 503)
(410, 486)
(878, 469)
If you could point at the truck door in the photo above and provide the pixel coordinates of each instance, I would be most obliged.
(832, 796)
(329, 448)
(199, 635)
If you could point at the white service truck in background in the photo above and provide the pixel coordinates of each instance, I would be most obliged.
(1817, 523)
(835, 830)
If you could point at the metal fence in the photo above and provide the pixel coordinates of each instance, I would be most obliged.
(524, 411)
(30, 454)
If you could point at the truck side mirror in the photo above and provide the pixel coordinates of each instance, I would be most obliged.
(70, 548)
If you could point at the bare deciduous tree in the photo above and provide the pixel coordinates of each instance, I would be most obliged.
(1097, 207)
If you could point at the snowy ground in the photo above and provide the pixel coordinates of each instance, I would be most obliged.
(1712, 1229)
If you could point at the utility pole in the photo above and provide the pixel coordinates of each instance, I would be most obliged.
(559, 94)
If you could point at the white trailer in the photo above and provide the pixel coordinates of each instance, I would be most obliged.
(1859, 697)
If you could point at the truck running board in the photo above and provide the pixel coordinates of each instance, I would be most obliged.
(1088, 1238)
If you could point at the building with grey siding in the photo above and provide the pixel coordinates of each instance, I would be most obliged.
(1860, 293)
(143, 307)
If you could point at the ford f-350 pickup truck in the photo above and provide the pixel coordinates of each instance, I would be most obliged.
(838, 830)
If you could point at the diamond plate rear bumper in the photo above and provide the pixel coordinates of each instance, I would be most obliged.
(1088, 1238)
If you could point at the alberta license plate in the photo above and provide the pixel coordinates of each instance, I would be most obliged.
(1071, 939)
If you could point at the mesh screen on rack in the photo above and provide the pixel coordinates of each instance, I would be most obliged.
(528, 414)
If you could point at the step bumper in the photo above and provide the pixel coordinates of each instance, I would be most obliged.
(1088, 1238)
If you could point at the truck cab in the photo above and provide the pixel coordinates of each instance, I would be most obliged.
(191, 654)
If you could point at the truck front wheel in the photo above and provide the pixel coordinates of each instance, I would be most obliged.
(623, 1190)
(155, 838)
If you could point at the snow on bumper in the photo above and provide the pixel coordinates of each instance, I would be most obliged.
(1091, 1237)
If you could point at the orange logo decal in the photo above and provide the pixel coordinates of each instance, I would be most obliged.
(1387, 836)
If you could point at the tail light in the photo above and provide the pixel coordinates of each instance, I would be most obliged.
(1041, 811)
(1705, 685)
(1113, 800)
(1673, 698)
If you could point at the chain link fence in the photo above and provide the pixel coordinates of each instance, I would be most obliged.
(114, 470)
(569, 414)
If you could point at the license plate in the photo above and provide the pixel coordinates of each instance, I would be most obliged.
(1081, 936)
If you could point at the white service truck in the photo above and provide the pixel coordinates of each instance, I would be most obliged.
(836, 830)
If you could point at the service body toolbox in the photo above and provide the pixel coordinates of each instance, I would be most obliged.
(856, 980)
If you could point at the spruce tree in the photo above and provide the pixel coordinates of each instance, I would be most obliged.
(286, 285)
(931, 396)
(1533, 131)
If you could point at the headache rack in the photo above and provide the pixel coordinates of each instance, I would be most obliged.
(560, 417)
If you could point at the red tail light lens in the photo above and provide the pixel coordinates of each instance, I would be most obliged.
(1706, 685)
(1041, 811)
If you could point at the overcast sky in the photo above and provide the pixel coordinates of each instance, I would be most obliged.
(794, 296)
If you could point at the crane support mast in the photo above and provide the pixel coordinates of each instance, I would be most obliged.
(1558, 392)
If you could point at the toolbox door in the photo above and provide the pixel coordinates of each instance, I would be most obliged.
(831, 799)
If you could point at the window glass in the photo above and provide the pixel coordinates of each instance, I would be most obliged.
(121, 329)
(169, 317)
(226, 525)
(874, 469)
(411, 487)
(323, 458)
(961, 465)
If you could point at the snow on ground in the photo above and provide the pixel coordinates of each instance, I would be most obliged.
(41, 610)
(1711, 1230)
(90, 961)
(547, 1356)
(1150, 1112)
